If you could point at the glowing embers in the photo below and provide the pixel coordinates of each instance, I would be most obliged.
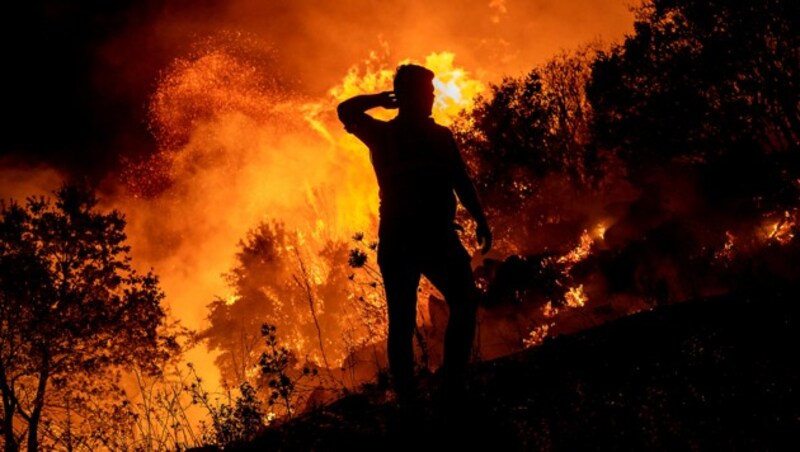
(782, 229)
(727, 252)
(584, 247)
(600, 231)
(776, 228)
(537, 335)
(216, 82)
(575, 297)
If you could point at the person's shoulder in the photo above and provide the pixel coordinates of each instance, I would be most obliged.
(443, 132)
(438, 128)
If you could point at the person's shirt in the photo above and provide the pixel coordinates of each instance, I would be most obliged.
(416, 163)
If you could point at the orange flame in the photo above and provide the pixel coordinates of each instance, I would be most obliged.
(575, 297)
(537, 335)
(584, 247)
(782, 229)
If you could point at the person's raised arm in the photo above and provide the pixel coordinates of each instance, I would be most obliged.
(465, 190)
(353, 110)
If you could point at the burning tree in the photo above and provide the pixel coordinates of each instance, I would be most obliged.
(281, 279)
(73, 313)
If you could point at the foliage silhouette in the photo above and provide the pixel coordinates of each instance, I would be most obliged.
(529, 127)
(74, 311)
(711, 87)
(238, 419)
(276, 365)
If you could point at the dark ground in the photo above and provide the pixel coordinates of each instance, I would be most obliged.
(712, 374)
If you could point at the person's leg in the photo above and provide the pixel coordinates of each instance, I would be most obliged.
(400, 280)
(451, 273)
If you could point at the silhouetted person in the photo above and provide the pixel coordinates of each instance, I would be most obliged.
(419, 171)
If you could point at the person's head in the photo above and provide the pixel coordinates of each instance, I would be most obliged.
(413, 87)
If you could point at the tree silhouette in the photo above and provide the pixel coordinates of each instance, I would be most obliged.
(529, 127)
(708, 85)
(72, 309)
(529, 130)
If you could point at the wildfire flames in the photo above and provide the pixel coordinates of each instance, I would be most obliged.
(238, 148)
(781, 230)
(229, 131)
(255, 207)
(240, 144)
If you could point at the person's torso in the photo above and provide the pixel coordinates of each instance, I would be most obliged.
(414, 167)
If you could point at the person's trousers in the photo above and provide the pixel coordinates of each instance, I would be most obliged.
(404, 254)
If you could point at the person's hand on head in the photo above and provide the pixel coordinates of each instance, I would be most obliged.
(388, 100)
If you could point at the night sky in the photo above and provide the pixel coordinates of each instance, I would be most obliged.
(56, 113)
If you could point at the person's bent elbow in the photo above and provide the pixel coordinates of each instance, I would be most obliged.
(342, 112)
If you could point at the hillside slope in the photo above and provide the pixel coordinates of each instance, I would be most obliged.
(715, 374)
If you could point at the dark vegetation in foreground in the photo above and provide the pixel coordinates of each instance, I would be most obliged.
(710, 374)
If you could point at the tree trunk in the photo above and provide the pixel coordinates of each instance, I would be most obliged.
(8, 414)
(8, 427)
(38, 404)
